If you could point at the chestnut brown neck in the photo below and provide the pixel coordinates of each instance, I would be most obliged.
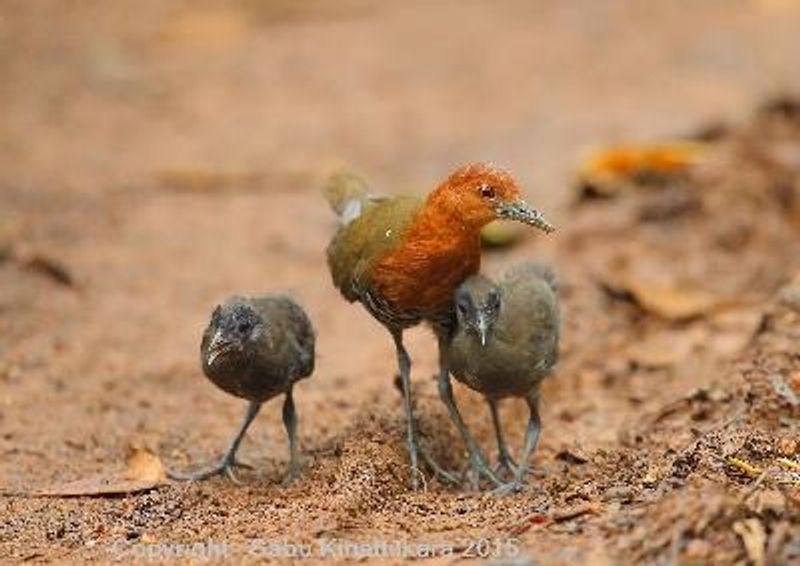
(438, 251)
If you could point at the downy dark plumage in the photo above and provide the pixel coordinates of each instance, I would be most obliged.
(506, 344)
(257, 348)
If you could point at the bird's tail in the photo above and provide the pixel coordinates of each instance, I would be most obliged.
(347, 194)
(534, 269)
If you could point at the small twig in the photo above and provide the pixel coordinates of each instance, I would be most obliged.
(753, 488)
(789, 463)
(743, 466)
(574, 512)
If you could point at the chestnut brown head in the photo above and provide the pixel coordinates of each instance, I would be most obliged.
(479, 193)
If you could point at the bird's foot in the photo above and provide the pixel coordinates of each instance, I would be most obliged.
(224, 467)
(437, 470)
(505, 465)
(292, 473)
(477, 469)
(514, 486)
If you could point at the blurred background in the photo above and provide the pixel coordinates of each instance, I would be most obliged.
(97, 95)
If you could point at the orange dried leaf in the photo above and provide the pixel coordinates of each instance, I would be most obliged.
(625, 160)
(605, 169)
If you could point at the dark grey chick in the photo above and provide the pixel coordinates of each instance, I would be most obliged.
(257, 348)
(506, 343)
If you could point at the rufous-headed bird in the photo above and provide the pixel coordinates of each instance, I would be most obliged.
(403, 257)
(257, 348)
(506, 343)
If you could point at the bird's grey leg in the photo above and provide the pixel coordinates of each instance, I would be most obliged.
(505, 463)
(531, 440)
(476, 457)
(228, 460)
(404, 365)
(290, 422)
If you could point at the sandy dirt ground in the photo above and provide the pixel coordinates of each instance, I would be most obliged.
(156, 157)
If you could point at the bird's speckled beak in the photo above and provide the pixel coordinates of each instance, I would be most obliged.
(219, 346)
(521, 211)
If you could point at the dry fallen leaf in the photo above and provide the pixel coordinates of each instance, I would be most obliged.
(143, 471)
(754, 538)
(672, 301)
(605, 168)
(627, 159)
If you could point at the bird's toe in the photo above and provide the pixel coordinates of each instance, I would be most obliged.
(509, 488)
(506, 466)
(224, 467)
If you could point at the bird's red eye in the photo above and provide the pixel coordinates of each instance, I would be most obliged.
(486, 191)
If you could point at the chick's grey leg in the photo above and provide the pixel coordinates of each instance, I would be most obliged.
(290, 422)
(424, 454)
(436, 468)
(531, 440)
(476, 458)
(505, 463)
(228, 460)
(404, 365)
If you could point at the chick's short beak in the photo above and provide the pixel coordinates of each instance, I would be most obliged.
(483, 330)
(219, 346)
(521, 211)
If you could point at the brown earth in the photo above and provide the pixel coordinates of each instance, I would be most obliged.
(156, 157)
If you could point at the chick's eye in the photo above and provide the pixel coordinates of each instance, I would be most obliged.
(244, 327)
(486, 191)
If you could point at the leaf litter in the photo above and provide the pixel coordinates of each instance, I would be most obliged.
(143, 471)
